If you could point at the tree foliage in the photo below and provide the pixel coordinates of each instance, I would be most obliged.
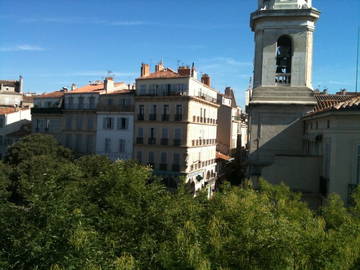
(92, 213)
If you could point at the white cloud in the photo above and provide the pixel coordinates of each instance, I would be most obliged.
(24, 47)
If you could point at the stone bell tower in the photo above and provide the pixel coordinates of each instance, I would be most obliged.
(282, 86)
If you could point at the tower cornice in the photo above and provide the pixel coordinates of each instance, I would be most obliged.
(311, 14)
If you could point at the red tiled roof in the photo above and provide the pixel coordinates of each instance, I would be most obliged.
(122, 91)
(222, 156)
(327, 101)
(98, 87)
(55, 94)
(335, 103)
(7, 110)
(165, 73)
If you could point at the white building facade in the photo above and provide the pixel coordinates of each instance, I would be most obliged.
(115, 125)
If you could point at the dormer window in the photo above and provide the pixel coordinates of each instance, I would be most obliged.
(283, 60)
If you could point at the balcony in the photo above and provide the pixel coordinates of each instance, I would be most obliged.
(178, 117)
(80, 106)
(177, 142)
(53, 110)
(283, 78)
(165, 117)
(115, 108)
(152, 117)
(140, 117)
(164, 141)
(140, 140)
(176, 167)
(163, 167)
(152, 141)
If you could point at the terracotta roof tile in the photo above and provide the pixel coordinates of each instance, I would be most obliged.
(335, 103)
(55, 94)
(122, 91)
(327, 101)
(98, 87)
(166, 73)
(7, 110)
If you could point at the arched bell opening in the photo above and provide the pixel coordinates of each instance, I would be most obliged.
(283, 60)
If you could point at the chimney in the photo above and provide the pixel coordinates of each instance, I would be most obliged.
(184, 71)
(145, 70)
(159, 67)
(205, 79)
(109, 84)
(21, 84)
(73, 87)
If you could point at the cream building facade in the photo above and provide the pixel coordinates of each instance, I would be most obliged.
(175, 125)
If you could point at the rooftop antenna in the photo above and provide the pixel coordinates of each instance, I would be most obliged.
(357, 61)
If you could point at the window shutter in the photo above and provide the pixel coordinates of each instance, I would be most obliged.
(104, 122)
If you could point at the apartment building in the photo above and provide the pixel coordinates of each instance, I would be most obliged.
(47, 114)
(80, 114)
(12, 119)
(232, 128)
(115, 124)
(175, 125)
(71, 115)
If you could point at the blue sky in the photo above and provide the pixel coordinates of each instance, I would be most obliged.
(55, 43)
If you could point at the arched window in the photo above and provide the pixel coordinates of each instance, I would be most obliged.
(283, 60)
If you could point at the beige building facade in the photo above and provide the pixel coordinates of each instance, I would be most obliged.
(175, 125)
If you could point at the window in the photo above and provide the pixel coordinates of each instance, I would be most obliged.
(90, 122)
(71, 102)
(179, 109)
(177, 134)
(154, 109)
(142, 89)
(122, 123)
(92, 102)
(81, 103)
(152, 132)
(121, 146)
(163, 158)
(108, 123)
(165, 133)
(283, 60)
(140, 132)
(166, 109)
(79, 122)
(328, 123)
(141, 109)
(2, 122)
(1, 140)
(107, 145)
